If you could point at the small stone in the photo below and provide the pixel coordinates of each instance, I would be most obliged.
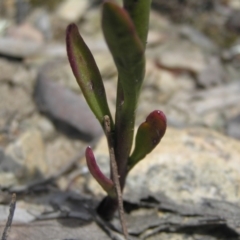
(16, 74)
(60, 151)
(105, 64)
(233, 127)
(25, 32)
(160, 84)
(181, 55)
(72, 10)
(69, 110)
(18, 48)
(41, 19)
(29, 152)
(46, 127)
(212, 74)
(233, 22)
(214, 120)
(154, 38)
(15, 104)
(198, 38)
(21, 215)
(7, 70)
(235, 4)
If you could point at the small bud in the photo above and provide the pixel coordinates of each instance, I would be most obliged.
(148, 136)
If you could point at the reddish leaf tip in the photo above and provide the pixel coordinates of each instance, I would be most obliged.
(106, 183)
(149, 134)
(158, 120)
(156, 115)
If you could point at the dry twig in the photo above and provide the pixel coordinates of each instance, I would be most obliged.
(10, 217)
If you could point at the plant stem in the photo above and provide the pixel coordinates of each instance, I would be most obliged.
(114, 171)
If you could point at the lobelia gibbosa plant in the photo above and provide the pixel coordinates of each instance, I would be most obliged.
(125, 30)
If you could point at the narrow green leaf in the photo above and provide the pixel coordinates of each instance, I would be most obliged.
(148, 136)
(139, 12)
(128, 53)
(126, 48)
(86, 73)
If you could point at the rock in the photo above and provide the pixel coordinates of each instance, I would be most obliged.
(210, 107)
(181, 55)
(154, 38)
(16, 74)
(24, 78)
(41, 19)
(25, 32)
(176, 236)
(187, 166)
(160, 84)
(235, 4)
(105, 64)
(233, 22)
(63, 106)
(198, 38)
(60, 72)
(9, 170)
(71, 10)
(20, 215)
(215, 120)
(7, 70)
(15, 104)
(60, 151)
(43, 124)
(212, 74)
(233, 127)
(91, 25)
(22, 9)
(220, 97)
(161, 90)
(18, 48)
(65, 228)
(46, 127)
(29, 152)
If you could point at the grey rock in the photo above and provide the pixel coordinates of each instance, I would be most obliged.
(212, 74)
(15, 105)
(9, 170)
(220, 97)
(208, 107)
(59, 153)
(29, 152)
(198, 38)
(181, 55)
(233, 127)
(7, 70)
(67, 228)
(71, 10)
(22, 9)
(18, 48)
(16, 74)
(233, 22)
(45, 126)
(20, 215)
(66, 107)
(41, 19)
